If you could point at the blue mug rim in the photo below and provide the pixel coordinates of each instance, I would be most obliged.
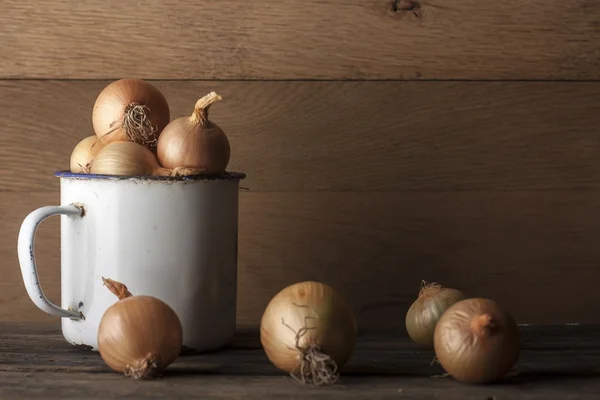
(226, 176)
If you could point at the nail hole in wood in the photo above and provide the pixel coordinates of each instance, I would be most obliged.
(407, 5)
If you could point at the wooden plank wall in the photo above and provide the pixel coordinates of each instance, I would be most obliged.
(385, 142)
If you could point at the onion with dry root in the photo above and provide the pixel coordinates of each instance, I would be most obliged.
(195, 141)
(130, 109)
(308, 330)
(426, 310)
(476, 341)
(84, 153)
(132, 159)
(138, 336)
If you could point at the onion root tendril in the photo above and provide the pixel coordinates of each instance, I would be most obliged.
(316, 367)
(137, 126)
(146, 369)
(428, 288)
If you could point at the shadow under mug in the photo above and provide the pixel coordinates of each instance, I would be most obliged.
(172, 238)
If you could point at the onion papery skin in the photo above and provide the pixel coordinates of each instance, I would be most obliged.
(125, 159)
(476, 341)
(117, 98)
(180, 145)
(296, 307)
(195, 141)
(83, 154)
(423, 315)
(138, 330)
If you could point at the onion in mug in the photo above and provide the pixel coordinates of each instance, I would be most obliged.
(132, 159)
(83, 154)
(195, 141)
(130, 109)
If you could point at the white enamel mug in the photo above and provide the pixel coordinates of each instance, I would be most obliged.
(172, 238)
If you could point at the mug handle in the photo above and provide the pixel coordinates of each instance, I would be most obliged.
(27, 259)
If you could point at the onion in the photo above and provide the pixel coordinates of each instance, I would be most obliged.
(139, 336)
(308, 330)
(424, 313)
(195, 141)
(130, 109)
(83, 154)
(476, 341)
(132, 159)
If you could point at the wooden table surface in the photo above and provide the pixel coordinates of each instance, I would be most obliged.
(557, 362)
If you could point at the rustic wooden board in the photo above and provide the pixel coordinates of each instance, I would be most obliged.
(535, 252)
(343, 136)
(290, 39)
(35, 362)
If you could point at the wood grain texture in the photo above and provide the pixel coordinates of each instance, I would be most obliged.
(290, 39)
(535, 252)
(36, 363)
(342, 136)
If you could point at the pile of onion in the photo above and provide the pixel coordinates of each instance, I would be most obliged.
(138, 336)
(131, 159)
(131, 117)
(476, 341)
(308, 330)
(426, 310)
